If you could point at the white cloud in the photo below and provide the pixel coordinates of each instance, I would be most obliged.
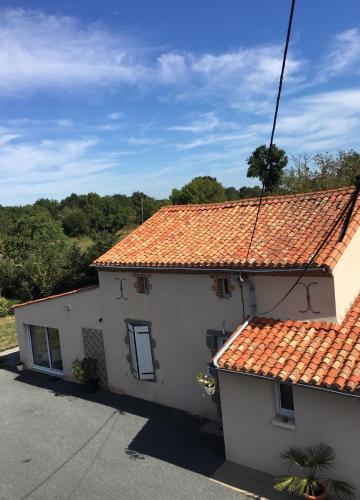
(344, 55)
(217, 138)
(49, 167)
(143, 141)
(7, 135)
(173, 67)
(64, 122)
(39, 51)
(321, 121)
(206, 122)
(115, 116)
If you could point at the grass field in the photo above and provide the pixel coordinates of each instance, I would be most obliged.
(7, 333)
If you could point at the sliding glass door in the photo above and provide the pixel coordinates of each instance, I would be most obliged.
(45, 346)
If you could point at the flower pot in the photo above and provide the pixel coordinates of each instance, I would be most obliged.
(20, 367)
(91, 386)
(319, 496)
(210, 390)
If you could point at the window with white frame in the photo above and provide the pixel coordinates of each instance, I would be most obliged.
(142, 363)
(45, 348)
(284, 400)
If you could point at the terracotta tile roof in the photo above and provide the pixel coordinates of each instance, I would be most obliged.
(217, 235)
(315, 353)
(50, 297)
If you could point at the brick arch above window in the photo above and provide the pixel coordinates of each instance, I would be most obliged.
(222, 285)
(142, 283)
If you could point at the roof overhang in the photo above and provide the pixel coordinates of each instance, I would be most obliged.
(236, 269)
(299, 384)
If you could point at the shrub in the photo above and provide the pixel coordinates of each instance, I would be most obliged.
(310, 462)
(5, 307)
(85, 370)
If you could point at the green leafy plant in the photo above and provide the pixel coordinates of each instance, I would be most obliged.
(85, 370)
(205, 380)
(5, 307)
(310, 462)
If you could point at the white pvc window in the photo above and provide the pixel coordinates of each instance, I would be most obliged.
(141, 353)
(45, 348)
(284, 400)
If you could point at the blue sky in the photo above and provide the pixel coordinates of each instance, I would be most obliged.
(126, 95)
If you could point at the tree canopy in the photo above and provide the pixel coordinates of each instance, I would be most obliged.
(204, 189)
(267, 165)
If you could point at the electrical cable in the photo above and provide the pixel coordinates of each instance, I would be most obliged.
(349, 203)
(274, 125)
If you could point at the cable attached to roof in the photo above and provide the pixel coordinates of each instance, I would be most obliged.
(344, 213)
(263, 188)
(351, 209)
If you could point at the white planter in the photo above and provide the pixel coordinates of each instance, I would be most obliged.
(210, 390)
(20, 367)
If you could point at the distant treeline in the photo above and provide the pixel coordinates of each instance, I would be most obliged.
(40, 244)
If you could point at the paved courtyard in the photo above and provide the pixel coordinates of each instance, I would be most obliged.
(58, 443)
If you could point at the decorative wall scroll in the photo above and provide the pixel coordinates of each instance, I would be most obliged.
(122, 296)
(308, 297)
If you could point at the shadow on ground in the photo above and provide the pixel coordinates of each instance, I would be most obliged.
(170, 435)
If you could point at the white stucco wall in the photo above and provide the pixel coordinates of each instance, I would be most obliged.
(181, 308)
(52, 313)
(251, 439)
(270, 289)
(347, 277)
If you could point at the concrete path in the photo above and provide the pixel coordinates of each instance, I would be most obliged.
(249, 482)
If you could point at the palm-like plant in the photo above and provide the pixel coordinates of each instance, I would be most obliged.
(310, 463)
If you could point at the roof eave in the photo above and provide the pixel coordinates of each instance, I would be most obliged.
(322, 269)
(299, 384)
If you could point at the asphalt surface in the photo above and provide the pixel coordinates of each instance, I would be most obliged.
(58, 443)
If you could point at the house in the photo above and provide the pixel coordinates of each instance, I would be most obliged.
(172, 292)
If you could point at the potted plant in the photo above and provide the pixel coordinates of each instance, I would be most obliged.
(310, 463)
(207, 382)
(85, 371)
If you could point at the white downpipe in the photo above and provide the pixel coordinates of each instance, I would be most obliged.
(231, 340)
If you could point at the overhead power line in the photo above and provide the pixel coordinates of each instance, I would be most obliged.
(274, 125)
(344, 214)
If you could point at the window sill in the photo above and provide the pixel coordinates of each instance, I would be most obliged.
(49, 371)
(279, 422)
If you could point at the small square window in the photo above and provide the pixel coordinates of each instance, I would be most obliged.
(142, 283)
(224, 288)
(222, 285)
(285, 400)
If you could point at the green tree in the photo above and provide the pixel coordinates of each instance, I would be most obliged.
(38, 245)
(231, 193)
(323, 171)
(75, 221)
(200, 190)
(267, 165)
(51, 205)
(144, 206)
